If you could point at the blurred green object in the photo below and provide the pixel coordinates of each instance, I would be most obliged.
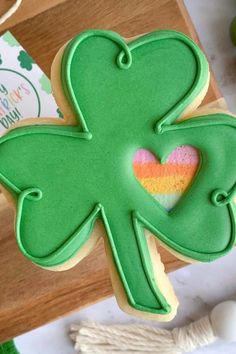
(8, 348)
(233, 31)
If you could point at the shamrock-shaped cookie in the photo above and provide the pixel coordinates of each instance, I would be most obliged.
(72, 180)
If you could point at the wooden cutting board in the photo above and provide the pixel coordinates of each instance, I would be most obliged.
(30, 296)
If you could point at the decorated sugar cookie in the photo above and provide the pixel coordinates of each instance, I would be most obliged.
(74, 181)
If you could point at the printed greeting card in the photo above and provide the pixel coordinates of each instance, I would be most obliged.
(25, 91)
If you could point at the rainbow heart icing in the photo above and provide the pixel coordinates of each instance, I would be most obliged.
(166, 182)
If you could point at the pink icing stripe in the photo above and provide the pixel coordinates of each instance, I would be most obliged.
(184, 155)
(181, 155)
(144, 156)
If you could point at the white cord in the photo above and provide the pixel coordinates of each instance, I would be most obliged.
(10, 12)
(91, 338)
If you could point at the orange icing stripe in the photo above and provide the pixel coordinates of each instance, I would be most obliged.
(149, 170)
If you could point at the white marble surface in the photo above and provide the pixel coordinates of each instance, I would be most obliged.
(200, 286)
(212, 19)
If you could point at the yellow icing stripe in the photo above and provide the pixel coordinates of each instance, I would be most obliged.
(168, 184)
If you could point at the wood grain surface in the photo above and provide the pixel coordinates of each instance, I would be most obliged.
(30, 296)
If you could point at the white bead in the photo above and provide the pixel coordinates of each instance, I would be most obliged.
(223, 320)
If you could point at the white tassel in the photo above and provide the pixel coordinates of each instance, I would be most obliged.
(93, 338)
(10, 12)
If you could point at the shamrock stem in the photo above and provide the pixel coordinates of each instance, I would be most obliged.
(133, 275)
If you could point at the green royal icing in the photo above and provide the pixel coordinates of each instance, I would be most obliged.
(126, 97)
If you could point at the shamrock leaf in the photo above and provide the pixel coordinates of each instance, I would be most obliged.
(25, 60)
(64, 178)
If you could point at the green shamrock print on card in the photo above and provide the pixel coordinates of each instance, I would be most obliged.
(60, 115)
(45, 84)
(26, 61)
(65, 178)
(10, 39)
